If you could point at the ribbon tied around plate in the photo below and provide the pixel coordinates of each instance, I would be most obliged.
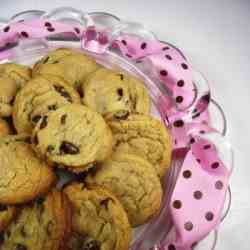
(199, 194)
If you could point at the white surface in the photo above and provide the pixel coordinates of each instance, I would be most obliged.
(215, 34)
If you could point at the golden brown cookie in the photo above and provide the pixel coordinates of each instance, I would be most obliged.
(40, 96)
(22, 175)
(7, 214)
(144, 136)
(42, 225)
(113, 93)
(71, 65)
(4, 128)
(99, 218)
(134, 182)
(19, 73)
(73, 136)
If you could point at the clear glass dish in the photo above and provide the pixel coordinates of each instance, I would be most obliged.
(29, 51)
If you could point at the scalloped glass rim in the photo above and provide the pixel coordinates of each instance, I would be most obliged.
(113, 60)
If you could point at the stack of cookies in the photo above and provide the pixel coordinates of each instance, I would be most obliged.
(70, 115)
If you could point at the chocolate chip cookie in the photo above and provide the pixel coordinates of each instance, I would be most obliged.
(22, 175)
(134, 182)
(73, 66)
(43, 224)
(4, 128)
(7, 214)
(73, 136)
(20, 74)
(144, 136)
(115, 94)
(98, 218)
(40, 96)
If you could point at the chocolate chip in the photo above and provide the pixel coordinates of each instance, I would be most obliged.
(50, 148)
(51, 29)
(55, 62)
(63, 119)
(6, 29)
(52, 107)
(61, 90)
(44, 122)
(121, 76)
(36, 118)
(27, 139)
(91, 245)
(25, 34)
(120, 92)
(46, 60)
(22, 231)
(77, 30)
(122, 115)
(40, 200)
(1, 238)
(68, 148)
(20, 247)
(3, 207)
(35, 140)
(47, 24)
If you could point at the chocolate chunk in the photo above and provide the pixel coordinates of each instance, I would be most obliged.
(40, 200)
(121, 76)
(44, 122)
(55, 62)
(50, 148)
(1, 238)
(46, 60)
(61, 90)
(36, 118)
(63, 119)
(3, 207)
(120, 92)
(91, 245)
(27, 139)
(69, 148)
(22, 231)
(35, 140)
(21, 247)
(52, 107)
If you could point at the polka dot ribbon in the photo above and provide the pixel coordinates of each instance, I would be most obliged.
(199, 194)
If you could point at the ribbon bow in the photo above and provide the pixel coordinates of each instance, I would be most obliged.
(199, 194)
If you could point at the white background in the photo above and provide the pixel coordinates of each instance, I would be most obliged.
(215, 35)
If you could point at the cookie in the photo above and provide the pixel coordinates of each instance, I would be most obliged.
(4, 128)
(73, 66)
(73, 136)
(8, 90)
(134, 182)
(115, 94)
(43, 224)
(20, 74)
(22, 175)
(98, 219)
(40, 96)
(7, 214)
(144, 136)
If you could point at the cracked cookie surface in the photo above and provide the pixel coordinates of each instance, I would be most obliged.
(73, 136)
(144, 136)
(43, 224)
(134, 182)
(40, 96)
(115, 94)
(71, 65)
(22, 175)
(98, 218)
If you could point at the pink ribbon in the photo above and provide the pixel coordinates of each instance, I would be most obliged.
(199, 194)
